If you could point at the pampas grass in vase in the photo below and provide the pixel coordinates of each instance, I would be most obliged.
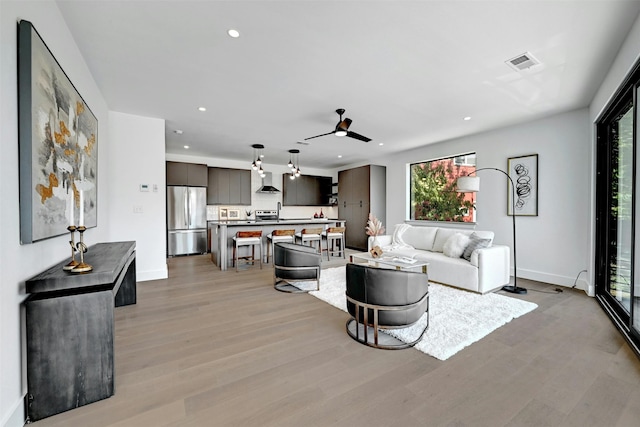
(374, 228)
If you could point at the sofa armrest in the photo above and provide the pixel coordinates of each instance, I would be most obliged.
(493, 267)
(383, 240)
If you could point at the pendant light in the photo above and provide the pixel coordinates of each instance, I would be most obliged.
(290, 164)
(257, 155)
(295, 170)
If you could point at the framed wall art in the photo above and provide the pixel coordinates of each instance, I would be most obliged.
(58, 145)
(234, 213)
(223, 213)
(523, 170)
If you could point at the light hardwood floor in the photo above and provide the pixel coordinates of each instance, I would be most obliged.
(212, 348)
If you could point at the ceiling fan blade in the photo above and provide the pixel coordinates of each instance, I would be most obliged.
(358, 136)
(317, 136)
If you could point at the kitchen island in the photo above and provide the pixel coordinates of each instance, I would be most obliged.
(222, 233)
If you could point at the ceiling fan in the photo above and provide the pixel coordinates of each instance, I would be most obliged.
(342, 129)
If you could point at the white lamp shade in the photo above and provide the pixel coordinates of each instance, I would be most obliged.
(468, 184)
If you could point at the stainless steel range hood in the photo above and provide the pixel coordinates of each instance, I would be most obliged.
(267, 186)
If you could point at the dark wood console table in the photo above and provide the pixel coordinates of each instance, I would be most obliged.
(70, 328)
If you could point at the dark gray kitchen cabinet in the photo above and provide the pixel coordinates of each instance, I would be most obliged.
(306, 190)
(229, 186)
(360, 191)
(191, 174)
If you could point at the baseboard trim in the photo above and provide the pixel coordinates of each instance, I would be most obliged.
(555, 279)
(143, 276)
(16, 417)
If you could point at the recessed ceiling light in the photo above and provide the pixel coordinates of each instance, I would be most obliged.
(381, 144)
(186, 147)
(178, 131)
(339, 156)
(233, 33)
(202, 109)
(467, 118)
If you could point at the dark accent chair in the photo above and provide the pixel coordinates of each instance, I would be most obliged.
(384, 299)
(293, 262)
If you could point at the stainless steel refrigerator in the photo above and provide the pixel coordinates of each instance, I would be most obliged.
(186, 220)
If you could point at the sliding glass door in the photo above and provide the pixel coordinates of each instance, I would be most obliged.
(616, 196)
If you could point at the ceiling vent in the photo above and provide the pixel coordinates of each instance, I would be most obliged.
(523, 62)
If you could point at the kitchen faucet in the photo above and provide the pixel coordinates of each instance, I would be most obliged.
(278, 213)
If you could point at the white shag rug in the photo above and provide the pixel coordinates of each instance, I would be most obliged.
(457, 318)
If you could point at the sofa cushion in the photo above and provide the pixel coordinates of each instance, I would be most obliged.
(474, 244)
(455, 245)
(441, 237)
(420, 237)
(451, 271)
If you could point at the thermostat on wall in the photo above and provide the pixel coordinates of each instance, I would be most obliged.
(144, 187)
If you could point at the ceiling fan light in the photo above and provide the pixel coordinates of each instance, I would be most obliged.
(340, 133)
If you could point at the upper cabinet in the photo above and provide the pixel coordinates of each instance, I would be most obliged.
(306, 190)
(229, 187)
(192, 174)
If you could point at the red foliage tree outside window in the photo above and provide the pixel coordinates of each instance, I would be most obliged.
(433, 190)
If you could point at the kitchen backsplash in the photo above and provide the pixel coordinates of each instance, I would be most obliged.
(213, 211)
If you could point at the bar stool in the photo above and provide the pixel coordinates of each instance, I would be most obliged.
(310, 235)
(336, 236)
(278, 236)
(247, 238)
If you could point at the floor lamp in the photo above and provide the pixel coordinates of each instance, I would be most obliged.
(471, 184)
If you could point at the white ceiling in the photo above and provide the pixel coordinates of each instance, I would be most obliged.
(407, 73)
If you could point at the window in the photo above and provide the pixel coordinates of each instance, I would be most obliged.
(433, 189)
(617, 195)
(466, 160)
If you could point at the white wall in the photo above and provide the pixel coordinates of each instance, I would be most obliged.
(622, 65)
(136, 156)
(20, 262)
(552, 247)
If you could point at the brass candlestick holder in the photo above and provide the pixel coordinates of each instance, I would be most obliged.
(83, 267)
(73, 263)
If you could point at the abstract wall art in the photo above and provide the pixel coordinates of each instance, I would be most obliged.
(523, 170)
(58, 145)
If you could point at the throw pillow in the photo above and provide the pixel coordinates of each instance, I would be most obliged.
(483, 235)
(455, 245)
(442, 235)
(474, 244)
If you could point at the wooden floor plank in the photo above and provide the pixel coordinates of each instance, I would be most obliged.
(212, 348)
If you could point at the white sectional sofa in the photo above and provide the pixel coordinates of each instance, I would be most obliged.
(486, 269)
